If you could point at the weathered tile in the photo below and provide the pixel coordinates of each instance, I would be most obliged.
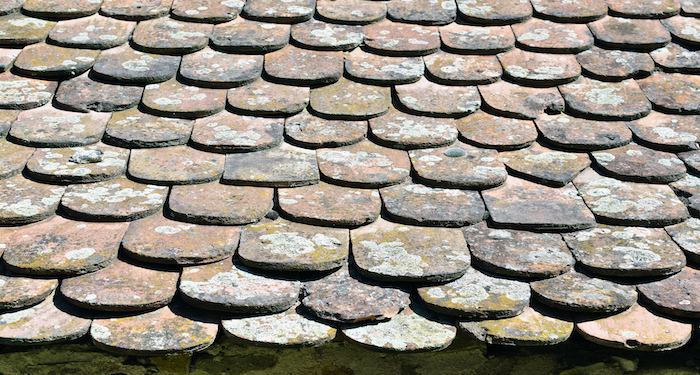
(18, 292)
(684, 29)
(116, 200)
(546, 36)
(364, 164)
(477, 39)
(489, 131)
(636, 328)
(690, 8)
(424, 12)
(458, 166)
(84, 94)
(413, 329)
(539, 69)
(579, 11)
(672, 92)
(523, 204)
(629, 203)
(226, 286)
(134, 129)
(676, 295)
(171, 329)
(283, 166)
(96, 32)
(136, 10)
(687, 186)
(626, 251)
(124, 64)
(477, 296)
(371, 68)
(636, 163)
(291, 11)
(7, 57)
(214, 203)
(288, 246)
(53, 320)
(403, 39)
(45, 60)
(511, 100)
(350, 12)
(227, 132)
(396, 252)
(581, 134)
(24, 201)
(574, 291)
(534, 327)
(320, 35)
(11, 6)
(625, 33)
(13, 158)
(519, 254)
(98, 162)
(168, 36)
(157, 239)
(267, 98)
(350, 100)
(330, 205)
(404, 131)
(691, 159)
(7, 117)
(241, 35)
(209, 68)
(179, 165)
(59, 9)
(452, 69)
(24, 93)
(421, 205)
(687, 236)
(121, 286)
(605, 100)
(656, 9)
(545, 166)
(63, 247)
(494, 12)
(676, 58)
(210, 11)
(18, 29)
(175, 99)
(431, 99)
(47, 126)
(310, 131)
(615, 65)
(296, 66)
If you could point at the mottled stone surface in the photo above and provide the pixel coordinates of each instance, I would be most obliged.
(492, 12)
(656, 9)
(171, 329)
(676, 58)
(522, 102)
(534, 327)
(515, 253)
(581, 134)
(47, 126)
(605, 100)
(544, 165)
(330, 205)
(136, 9)
(7, 117)
(676, 295)
(690, 8)
(397, 38)
(98, 162)
(405, 131)
(458, 166)
(49, 61)
(353, 12)
(614, 64)
(225, 286)
(124, 64)
(116, 200)
(320, 35)
(84, 94)
(687, 236)
(20, 292)
(672, 92)
(636, 328)
(24, 201)
(168, 36)
(396, 252)
(431, 99)
(296, 66)
(577, 292)
(377, 69)
(227, 132)
(24, 93)
(60, 246)
(18, 29)
(629, 203)
(477, 296)
(414, 329)
(364, 165)
(58, 9)
(691, 159)
(489, 131)
(424, 12)
(210, 68)
(451, 69)
(210, 11)
(288, 246)
(291, 11)
(292, 327)
(350, 100)
(7, 57)
(121, 286)
(539, 69)
(579, 11)
(625, 33)
(685, 29)
(175, 165)
(636, 163)
(5, 236)
(477, 39)
(422, 205)
(175, 99)
(523, 204)
(135, 129)
(241, 35)
(311, 131)
(214, 203)
(546, 36)
(95, 32)
(157, 239)
(11, 6)
(284, 166)
(267, 98)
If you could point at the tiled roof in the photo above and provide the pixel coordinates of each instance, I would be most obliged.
(392, 172)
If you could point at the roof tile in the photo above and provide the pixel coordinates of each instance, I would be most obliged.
(175, 165)
(7, 117)
(283, 166)
(676, 295)
(690, 8)
(498, 12)
(477, 39)
(61, 8)
(687, 236)
(371, 68)
(614, 65)
(380, 166)
(11, 6)
(637, 163)
(539, 69)
(84, 94)
(668, 132)
(405, 131)
(209, 68)
(549, 37)
(136, 10)
(656, 9)
(320, 35)
(451, 69)
(605, 100)
(672, 92)
(175, 99)
(544, 165)
(511, 100)
(96, 32)
(48, 61)
(214, 203)
(427, 98)
(292, 11)
(267, 98)
(124, 64)
(7, 57)
(24, 93)
(296, 66)
(310, 131)
(47, 126)
(21, 292)
(625, 33)
(134, 129)
(676, 58)
(98, 162)
(25, 201)
(691, 160)
(424, 12)
(18, 29)
(169, 36)
(394, 38)
(13, 158)
(422, 205)
(574, 291)
(581, 11)
(241, 35)
(226, 132)
(350, 100)
(351, 12)
(488, 131)
(580, 134)
(213, 11)
(684, 29)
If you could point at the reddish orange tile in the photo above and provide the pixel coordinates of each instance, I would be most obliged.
(522, 102)
(214, 203)
(174, 99)
(350, 100)
(615, 65)
(241, 35)
(636, 163)
(581, 134)
(320, 35)
(94, 163)
(292, 11)
(47, 126)
(477, 39)
(20, 292)
(60, 9)
(13, 158)
(676, 295)
(124, 64)
(676, 58)
(25, 201)
(498, 12)
(350, 12)
(628, 33)
(310, 131)
(544, 165)
(582, 11)
(404, 131)
(672, 92)
(575, 291)
(45, 60)
(175, 165)
(364, 164)
(605, 100)
(135, 129)
(226, 132)
(656, 9)
(24, 93)
(136, 10)
(296, 66)
(489, 131)
(95, 32)
(267, 98)
(210, 11)
(403, 39)
(209, 68)
(376, 69)
(427, 98)
(539, 69)
(546, 36)
(423, 12)
(168, 36)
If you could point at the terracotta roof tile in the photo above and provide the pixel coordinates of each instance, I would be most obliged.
(381, 166)
(135, 10)
(605, 100)
(85, 94)
(676, 58)
(25, 201)
(241, 35)
(477, 39)
(307, 130)
(376, 69)
(660, 9)
(207, 10)
(267, 98)
(283, 166)
(180, 165)
(124, 64)
(227, 132)
(7, 57)
(350, 100)
(636, 163)
(95, 32)
(625, 33)
(135, 129)
(614, 65)
(20, 292)
(320, 35)
(214, 203)
(520, 101)
(427, 98)
(209, 68)
(292, 11)
(574, 291)
(351, 12)
(175, 99)
(405, 131)
(580, 134)
(24, 93)
(18, 29)
(545, 166)
(489, 131)
(296, 66)
(11, 6)
(669, 92)
(98, 162)
(550, 37)
(427, 206)
(667, 132)
(13, 158)
(452, 69)
(499, 12)
(539, 69)
(60, 8)
(424, 12)
(47, 61)
(169, 36)
(559, 11)
(395, 38)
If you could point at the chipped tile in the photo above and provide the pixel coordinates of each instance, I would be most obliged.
(24, 93)
(291, 11)
(296, 66)
(50, 127)
(581, 134)
(577, 292)
(214, 203)
(135, 129)
(209, 68)
(676, 295)
(615, 65)
(423, 12)
(376, 69)
(489, 131)
(174, 99)
(283, 166)
(241, 35)
(546, 36)
(13, 158)
(477, 39)
(687, 236)
(544, 165)
(84, 94)
(18, 29)
(570, 11)
(636, 163)
(676, 58)
(210, 11)
(320, 35)
(267, 98)
(179, 165)
(48, 61)
(96, 32)
(24, 201)
(625, 33)
(310, 131)
(228, 132)
(494, 12)
(539, 69)
(61, 9)
(350, 12)
(364, 164)
(431, 99)
(452, 69)
(605, 100)
(350, 100)
(136, 10)
(655, 9)
(168, 36)
(400, 38)
(673, 93)
(511, 100)
(124, 64)
(98, 162)
(404, 131)
(21, 292)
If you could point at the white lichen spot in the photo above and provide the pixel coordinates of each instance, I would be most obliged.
(80, 254)
(391, 258)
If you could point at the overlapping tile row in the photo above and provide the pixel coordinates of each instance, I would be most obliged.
(399, 171)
